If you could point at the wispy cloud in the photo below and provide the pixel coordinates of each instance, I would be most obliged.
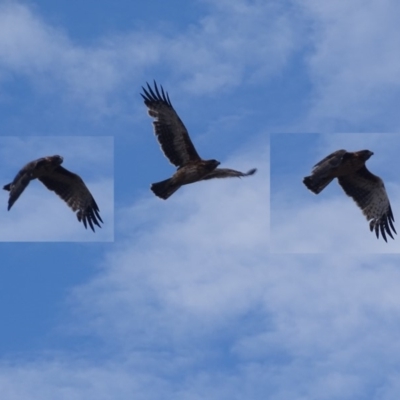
(347, 54)
(226, 46)
(189, 242)
(354, 65)
(294, 325)
(232, 44)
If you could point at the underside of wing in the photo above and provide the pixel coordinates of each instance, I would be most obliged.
(168, 127)
(71, 188)
(228, 173)
(369, 192)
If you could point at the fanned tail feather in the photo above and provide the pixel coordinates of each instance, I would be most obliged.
(164, 189)
(316, 184)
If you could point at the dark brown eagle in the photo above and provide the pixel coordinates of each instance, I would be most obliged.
(69, 186)
(178, 148)
(366, 189)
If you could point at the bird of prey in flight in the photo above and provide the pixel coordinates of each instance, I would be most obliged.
(69, 186)
(178, 148)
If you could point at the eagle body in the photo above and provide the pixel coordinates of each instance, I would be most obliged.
(339, 163)
(365, 188)
(190, 173)
(36, 168)
(178, 148)
(67, 185)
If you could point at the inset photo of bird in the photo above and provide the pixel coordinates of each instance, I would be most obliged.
(48, 179)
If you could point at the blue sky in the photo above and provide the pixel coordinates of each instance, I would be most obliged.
(205, 295)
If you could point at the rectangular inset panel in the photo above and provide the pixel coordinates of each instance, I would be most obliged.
(331, 221)
(39, 214)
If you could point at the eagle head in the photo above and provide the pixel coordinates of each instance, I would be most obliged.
(56, 160)
(212, 164)
(365, 154)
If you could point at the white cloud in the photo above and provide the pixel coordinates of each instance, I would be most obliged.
(77, 380)
(325, 226)
(202, 235)
(354, 64)
(308, 324)
(51, 61)
(347, 50)
(233, 43)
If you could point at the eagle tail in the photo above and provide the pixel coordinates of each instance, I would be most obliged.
(7, 187)
(164, 189)
(317, 184)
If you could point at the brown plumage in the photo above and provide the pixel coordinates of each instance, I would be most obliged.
(365, 188)
(178, 148)
(69, 186)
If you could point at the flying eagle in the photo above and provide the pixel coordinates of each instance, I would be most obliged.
(178, 148)
(366, 189)
(69, 186)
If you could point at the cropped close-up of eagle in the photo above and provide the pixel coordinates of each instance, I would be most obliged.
(366, 189)
(178, 148)
(69, 186)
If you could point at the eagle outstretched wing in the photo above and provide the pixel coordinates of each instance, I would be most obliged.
(228, 173)
(71, 188)
(369, 193)
(168, 127)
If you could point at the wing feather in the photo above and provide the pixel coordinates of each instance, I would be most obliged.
(71, 188)
(369, 193)
(228, 173)
(168, 127)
